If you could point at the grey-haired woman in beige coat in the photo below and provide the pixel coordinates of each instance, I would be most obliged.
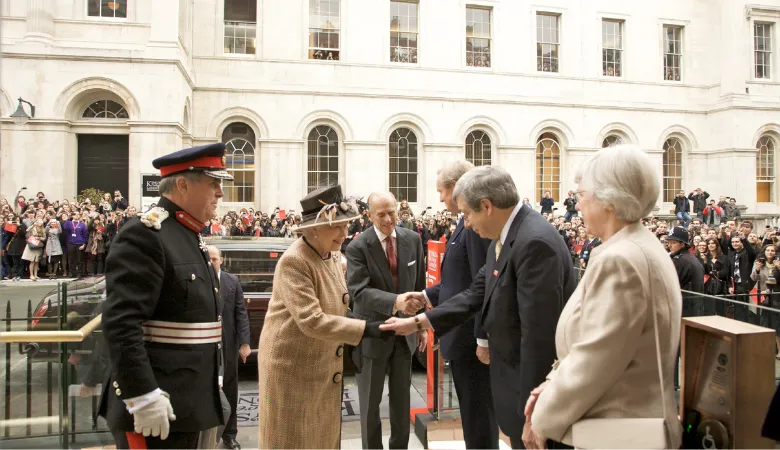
(301, 351)
(605, 337)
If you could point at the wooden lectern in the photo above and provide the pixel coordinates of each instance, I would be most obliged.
(727, 381)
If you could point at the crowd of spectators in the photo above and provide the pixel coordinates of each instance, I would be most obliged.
(72, 239)
(59, 238)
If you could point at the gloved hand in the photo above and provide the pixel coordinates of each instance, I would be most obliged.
(372, 330)
(155, 418)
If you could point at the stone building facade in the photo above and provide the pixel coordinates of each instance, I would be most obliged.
(378, 94)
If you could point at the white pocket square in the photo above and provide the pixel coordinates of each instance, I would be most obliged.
(411, 263)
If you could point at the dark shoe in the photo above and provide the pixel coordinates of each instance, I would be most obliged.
(231, 443)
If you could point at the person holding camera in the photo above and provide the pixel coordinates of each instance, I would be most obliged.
(765, 273)
(119, 201)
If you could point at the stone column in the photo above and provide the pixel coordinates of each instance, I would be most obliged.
(40, 21)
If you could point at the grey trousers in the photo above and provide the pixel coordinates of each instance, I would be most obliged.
(371, 380)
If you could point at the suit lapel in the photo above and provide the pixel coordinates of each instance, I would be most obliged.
(458, 229)
(506, 251)
(405, 256)
(380, 258)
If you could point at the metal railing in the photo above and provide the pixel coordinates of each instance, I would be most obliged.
(39, 374)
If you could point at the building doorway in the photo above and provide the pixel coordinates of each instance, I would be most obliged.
(103, 162)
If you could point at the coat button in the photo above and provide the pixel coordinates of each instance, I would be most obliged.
(118, 392)
(340, 350)
(116, 385)
(193, 277)
(337, 377)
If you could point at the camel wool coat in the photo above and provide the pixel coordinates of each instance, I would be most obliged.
(605, 340)
(300, 356)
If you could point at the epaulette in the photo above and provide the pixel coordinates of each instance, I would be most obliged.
(154, 217)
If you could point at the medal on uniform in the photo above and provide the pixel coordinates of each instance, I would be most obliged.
(202, 244)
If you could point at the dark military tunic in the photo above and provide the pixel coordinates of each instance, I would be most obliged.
(690, 272)
(160, 275)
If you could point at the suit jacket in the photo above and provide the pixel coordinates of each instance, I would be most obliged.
(463, 257)
(370, 282)
(771, 427)
(235, 320)
(606, 341)
(520, 296)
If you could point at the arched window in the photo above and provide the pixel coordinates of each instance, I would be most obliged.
(478, 148)
(611, 141)
(239, 138)
(548, 166)
(672, 168)
(323, 165)
(765, 170)
(105, 109)
(403, 164)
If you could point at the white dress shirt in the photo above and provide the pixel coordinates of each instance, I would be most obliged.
(382, 239)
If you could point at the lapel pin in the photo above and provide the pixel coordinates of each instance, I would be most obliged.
(495, 273)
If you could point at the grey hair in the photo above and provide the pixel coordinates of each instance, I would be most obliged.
(487, 182)
(451, 172)
(168, 184)
(624, 178)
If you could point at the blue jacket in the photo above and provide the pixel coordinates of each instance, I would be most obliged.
(465, 255)
(77, 236)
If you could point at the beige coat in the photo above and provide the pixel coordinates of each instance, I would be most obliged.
(605, 339)
(300, 357)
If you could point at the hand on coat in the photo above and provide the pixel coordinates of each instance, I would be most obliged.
(531, 402)
(410, 302)
(244, 351)
(531, 438)
(483, 354)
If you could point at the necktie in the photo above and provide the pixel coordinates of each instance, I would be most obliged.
(498, 249)
(392, 259)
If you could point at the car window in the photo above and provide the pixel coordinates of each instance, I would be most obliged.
(254, 268)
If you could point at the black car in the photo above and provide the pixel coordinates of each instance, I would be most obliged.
(252, 259)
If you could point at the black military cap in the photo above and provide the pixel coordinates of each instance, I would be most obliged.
(207, 159)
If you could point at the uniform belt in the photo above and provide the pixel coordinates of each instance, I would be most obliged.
(182, 332)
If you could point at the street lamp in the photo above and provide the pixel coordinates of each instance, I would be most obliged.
(20, 116)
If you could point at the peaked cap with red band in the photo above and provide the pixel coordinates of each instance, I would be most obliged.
(207, 159)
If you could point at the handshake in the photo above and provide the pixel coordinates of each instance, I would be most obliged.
(410, 303)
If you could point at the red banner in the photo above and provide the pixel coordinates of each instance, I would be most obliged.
(435, 252)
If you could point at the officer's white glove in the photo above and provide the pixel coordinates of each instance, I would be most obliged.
(155, 418)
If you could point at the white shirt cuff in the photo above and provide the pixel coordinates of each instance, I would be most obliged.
(427, 300)
(482, 343)
(136, 403)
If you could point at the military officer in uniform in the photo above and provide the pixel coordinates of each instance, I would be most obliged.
(160, 319)
(689, 270)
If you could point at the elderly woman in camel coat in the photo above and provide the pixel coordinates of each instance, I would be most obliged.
(300, 356)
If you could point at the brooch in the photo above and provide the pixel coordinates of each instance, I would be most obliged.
(202, 245)
(154, 217)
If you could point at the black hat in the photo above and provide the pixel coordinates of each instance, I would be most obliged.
(678, 234)
(327, 206)
(207, 159)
